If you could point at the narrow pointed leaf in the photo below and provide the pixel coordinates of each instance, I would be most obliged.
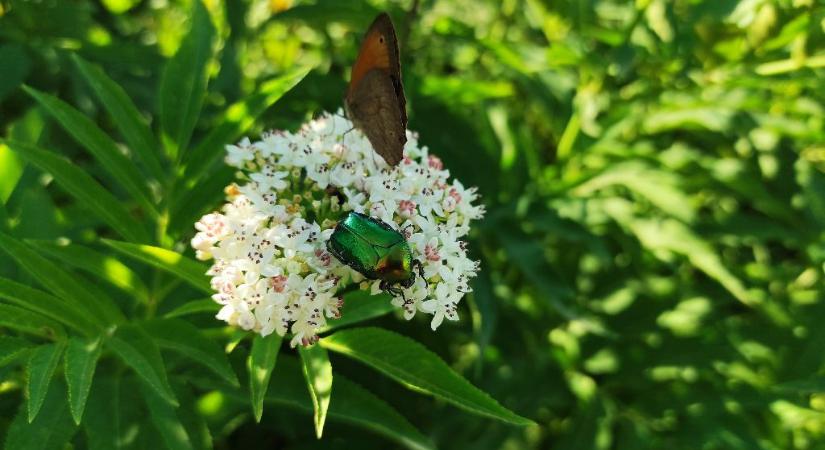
(99, 144)
(42, 363)
(51, 429)
(166, 420)
(183, 83)
(237, 119)
(99, 265)
(416, 367)
(203, 306)
(182, 267)
(318, 374)
(184, 338)
(135, 348)
(261, 362)
(48, 305)
(80, 362)
(85, 189)
(62, 283)
(125, 115)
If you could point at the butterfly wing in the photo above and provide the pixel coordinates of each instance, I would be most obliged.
(374, 109)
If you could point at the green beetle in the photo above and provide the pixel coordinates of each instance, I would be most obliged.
(376, 250)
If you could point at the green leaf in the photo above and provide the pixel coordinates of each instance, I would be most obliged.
(29, 322)
(350, 403)
(204, 306)
(360, 306)
(11, 168)
(42, 363)
(48, 305)
(178, 265)
(411, 364)
(139, 351)
(100, 145)
(52, 429)
(318, 374)
(62, 283)
(99, 265)
(237, 120)
(80, 362)
(12, 348)
(261, 362)
(166, 420)
(125, 115)
(85, 189)
(184, 338)
(183, 83)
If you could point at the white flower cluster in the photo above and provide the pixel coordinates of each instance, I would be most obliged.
(272, 270)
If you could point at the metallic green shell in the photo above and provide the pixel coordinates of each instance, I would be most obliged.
(372, 248)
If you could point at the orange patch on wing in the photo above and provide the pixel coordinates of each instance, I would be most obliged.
(374, 54)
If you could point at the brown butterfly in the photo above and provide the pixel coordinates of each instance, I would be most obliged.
(375, 99)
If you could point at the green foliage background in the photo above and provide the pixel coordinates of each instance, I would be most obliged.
(653, 252)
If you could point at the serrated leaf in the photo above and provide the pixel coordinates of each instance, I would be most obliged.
(85, 189)
(48, 305)
(178, 265)
(52, 429)
(183, 82)
(42, 363)
(165, 419)
(124, 114)
(360, 306)
(100, 145)
(236, 120)
(12, 348)
(80, 362)
(260, 364)
(99, 265)
(29, 322)
(184, 338)
(318, 374)
(139, 351)
(411, 364)
(204, 306)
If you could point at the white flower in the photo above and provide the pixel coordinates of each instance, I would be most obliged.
(272, 272)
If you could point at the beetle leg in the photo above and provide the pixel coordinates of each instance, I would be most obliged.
(420, 269)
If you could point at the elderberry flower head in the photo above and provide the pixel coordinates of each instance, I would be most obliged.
(272, 271)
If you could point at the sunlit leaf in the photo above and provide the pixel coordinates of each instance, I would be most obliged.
(178, 265)
(318, 374)
(411, 364)
(261, 363)
(183, 83)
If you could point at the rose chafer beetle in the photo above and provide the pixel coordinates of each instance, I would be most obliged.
(375, 250)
